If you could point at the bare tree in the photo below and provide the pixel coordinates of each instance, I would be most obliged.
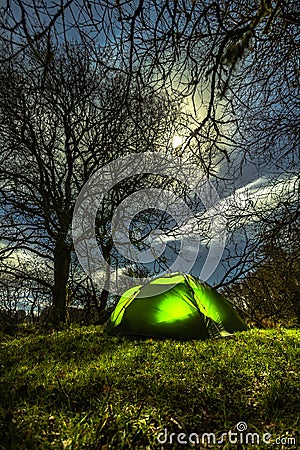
(233, 64)
(58, 128)
(217, 55)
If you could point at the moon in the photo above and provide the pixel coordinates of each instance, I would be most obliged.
(177, 141)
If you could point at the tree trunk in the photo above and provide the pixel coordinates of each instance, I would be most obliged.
(105, 290)
(101, 309)
(60, 287)
(103, 300)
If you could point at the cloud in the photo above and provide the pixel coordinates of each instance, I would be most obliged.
(246, 206)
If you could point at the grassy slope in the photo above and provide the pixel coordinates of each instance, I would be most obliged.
(80, 389)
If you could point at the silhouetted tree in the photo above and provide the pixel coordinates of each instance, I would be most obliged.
(58, 128)
(234, 65)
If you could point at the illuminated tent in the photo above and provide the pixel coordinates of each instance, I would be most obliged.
(174, 306)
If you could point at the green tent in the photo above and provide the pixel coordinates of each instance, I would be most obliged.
(174, 306)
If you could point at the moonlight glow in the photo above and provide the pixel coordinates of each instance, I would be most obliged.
(177, 141)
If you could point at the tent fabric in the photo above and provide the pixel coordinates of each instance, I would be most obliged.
(174, 306)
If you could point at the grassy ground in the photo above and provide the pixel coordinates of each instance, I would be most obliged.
(79, 389)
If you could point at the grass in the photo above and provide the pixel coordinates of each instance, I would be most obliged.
(80, 389)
